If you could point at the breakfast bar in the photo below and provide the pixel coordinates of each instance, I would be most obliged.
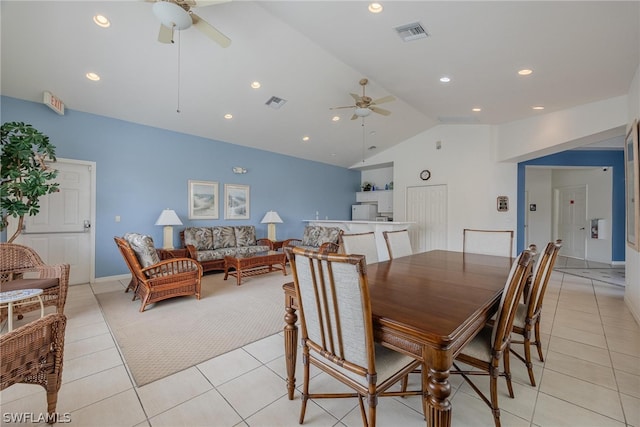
(353, 227)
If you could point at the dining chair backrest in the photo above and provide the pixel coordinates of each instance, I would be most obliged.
(361, 244)
(488, 242)
(540, 278)
(398, 243)
(509, 301)
(334, 308)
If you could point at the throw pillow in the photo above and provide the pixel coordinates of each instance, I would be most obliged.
(143, 247)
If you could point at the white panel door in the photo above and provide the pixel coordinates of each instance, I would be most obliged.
(572, 220)
(62, 232)
(427, 207)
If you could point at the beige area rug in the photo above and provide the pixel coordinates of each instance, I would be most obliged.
(175, 334)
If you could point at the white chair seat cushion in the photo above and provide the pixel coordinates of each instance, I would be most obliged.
(480, 346)
(388, 363)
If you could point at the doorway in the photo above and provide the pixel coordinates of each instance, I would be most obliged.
(427, 208)
(63, 232)
(570, 220)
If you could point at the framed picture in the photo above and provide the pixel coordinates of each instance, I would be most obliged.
(632, 185)
(203, 200)
(236, 201)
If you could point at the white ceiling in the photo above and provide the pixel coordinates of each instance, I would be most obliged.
(313, 53)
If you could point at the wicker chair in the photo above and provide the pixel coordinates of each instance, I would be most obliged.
(165, 279)
(15, 261)
(398, 243)
(32, 354)
(360, 243)
(337, 331)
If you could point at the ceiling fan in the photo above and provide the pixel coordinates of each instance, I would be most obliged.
(365, 105)
(177, 15)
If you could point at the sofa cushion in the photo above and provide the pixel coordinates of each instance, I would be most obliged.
(200, 237)
(143, 247)
(224, 237)
(315, 235)
(245, 235)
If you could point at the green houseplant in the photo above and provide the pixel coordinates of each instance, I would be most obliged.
(24, 176)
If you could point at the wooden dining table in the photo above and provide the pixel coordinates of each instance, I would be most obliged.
(427, 305)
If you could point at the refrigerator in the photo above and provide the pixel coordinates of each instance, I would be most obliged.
(366, 212)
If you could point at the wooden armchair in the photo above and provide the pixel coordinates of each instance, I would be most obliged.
(32, 354)
(162, 280)
(17, 261)
(317, 238)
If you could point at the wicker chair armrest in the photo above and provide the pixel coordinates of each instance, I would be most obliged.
(173, 266)
(329, 247)
(265, 242)
(193, 253)
(34, 349)
(292, 242)
(60, 272)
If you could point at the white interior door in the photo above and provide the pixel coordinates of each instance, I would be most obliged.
(62, 231)
(571, 206)
(427, 207)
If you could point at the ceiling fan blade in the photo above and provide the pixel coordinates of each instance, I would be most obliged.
(380, 111)
(384, 99)
(338, 108)
(165, 35)
(354, 96)
(210, 31)
(355, 116)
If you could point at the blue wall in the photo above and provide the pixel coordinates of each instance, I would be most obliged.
(596, 158)
(141, 170)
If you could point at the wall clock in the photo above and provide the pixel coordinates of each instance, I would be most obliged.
(425, 175)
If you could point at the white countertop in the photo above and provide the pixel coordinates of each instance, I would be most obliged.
(338, 221)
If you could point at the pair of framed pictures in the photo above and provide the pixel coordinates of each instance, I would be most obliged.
(204, 200)
(632, 181)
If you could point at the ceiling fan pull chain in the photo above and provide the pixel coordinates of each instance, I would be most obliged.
(363, 136)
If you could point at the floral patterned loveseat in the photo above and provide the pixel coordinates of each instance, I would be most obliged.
(209, 245)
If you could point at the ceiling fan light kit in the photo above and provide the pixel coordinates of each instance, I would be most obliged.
(365, 105)
(171, 15)
(362, 112)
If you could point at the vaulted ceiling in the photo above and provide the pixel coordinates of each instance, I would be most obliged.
(313, 54)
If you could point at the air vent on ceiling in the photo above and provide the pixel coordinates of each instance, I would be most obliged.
(412, 31)
(275, 102)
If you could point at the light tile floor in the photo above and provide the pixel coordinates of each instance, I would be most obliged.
(590, 377)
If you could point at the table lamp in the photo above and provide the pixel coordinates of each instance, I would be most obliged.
(168, 218)
(271, 218)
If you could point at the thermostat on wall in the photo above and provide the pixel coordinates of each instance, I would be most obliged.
(503, 203)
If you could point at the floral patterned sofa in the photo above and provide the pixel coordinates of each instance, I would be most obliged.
(209, 245)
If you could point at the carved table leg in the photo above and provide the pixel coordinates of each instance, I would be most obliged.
(438, 400)
(290, 347)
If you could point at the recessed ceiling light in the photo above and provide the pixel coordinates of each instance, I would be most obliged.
(476, 109)
(228, 116)
(335, 118)
(305, 138)
(445, 79)
(93, 77)
(255, 85)
(525, 72)
(375, 7)
(538, 107)
(101, 21)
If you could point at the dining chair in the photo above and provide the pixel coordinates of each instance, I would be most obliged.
(491, 344)
(337, 331)
(527, 318)
(488, 242)
(398, 243)
(361, 244)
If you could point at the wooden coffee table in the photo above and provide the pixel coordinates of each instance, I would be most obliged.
(254, 264)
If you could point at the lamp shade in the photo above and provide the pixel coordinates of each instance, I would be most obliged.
(168, 217)
(271, 217)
